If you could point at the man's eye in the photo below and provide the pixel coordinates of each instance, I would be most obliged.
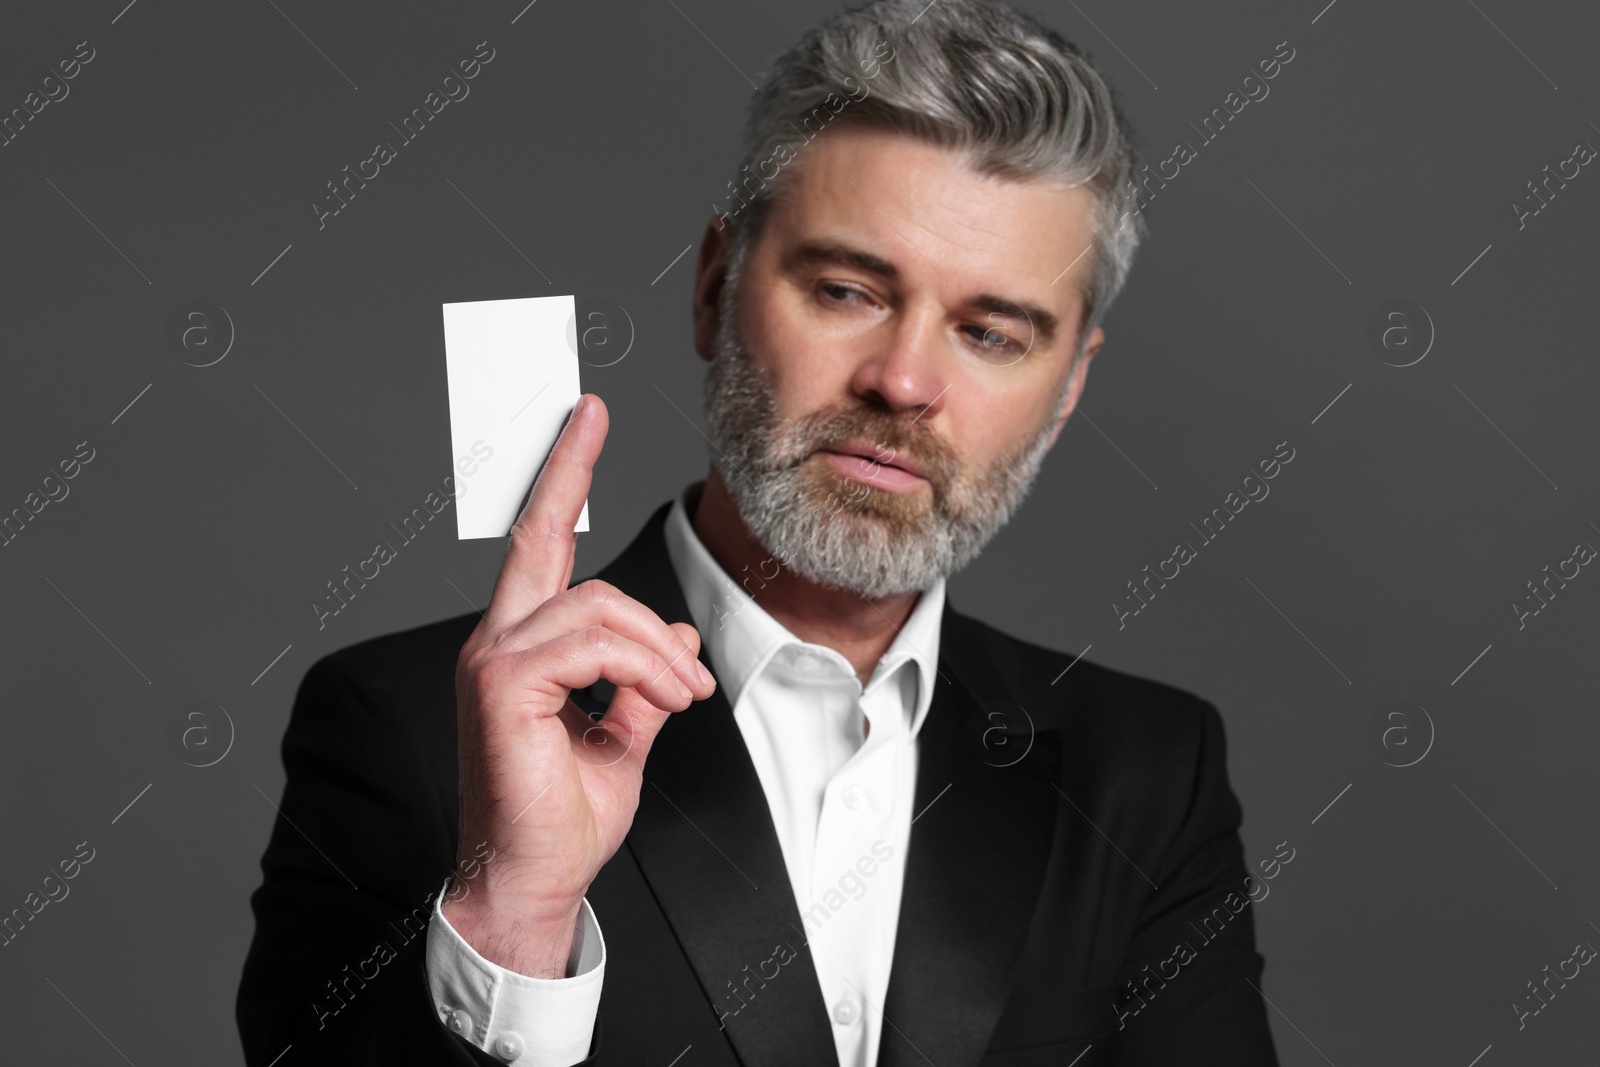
(842, 294)
(991, 341)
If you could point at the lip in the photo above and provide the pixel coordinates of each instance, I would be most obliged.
(871, 452)
(860, 463)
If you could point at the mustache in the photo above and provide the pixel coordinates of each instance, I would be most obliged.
(751, 388)
(894, 438)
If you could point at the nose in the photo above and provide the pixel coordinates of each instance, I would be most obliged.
(904, 367)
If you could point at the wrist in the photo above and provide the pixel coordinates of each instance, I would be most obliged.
(534, 943)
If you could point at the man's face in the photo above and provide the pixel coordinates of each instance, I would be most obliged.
(891, 363)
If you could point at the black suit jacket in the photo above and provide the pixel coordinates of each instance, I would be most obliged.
(1034, 892)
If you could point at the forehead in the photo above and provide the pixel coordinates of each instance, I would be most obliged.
(939, 221)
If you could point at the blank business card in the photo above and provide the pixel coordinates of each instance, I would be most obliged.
(513, 374)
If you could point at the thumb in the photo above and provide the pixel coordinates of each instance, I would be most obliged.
(690, 635)
(637, 718)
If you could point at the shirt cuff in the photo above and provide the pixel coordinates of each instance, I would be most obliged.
(519, 1020)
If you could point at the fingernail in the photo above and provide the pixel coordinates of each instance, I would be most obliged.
(705, 675)
(683, 690)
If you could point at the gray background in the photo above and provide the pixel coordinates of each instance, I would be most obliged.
(1384, 561)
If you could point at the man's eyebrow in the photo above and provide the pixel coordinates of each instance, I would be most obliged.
(1043, 322)
(837, 253)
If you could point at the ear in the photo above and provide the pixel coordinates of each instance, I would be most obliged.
(1074, 387)
(710, 271)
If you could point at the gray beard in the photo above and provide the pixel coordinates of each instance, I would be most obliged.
(833, 530)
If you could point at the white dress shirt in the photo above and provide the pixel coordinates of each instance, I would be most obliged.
(840, 797)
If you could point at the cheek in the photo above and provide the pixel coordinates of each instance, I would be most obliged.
(997, 428)
(813, 354)
(979, 429)
(797, 385)
(807, 374)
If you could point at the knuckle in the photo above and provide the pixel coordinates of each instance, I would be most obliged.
(470, 660)
(532, 524)
(489, 677)
(600, 591)
(554, 530)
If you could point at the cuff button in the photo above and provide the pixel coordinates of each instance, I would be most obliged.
(508, 1046)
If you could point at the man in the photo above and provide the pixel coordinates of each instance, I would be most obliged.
(875, 831)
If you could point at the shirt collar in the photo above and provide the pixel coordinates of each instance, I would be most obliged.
(741, 638)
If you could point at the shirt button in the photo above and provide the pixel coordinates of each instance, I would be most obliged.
(854, 796)
(806, 663)
(844, 1012)
(509, 1046)
(459, 1022)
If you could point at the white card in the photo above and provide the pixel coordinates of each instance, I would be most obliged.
(513, 376)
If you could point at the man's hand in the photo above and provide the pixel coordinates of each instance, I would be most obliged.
(552, 791)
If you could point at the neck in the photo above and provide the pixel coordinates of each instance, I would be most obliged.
(860, 628)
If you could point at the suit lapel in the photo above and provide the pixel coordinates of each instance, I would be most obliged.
(704, 840)
(976, 860)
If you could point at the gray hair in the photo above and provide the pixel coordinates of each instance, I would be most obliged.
(1017, 99)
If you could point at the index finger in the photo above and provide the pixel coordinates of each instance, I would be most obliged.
(539, 559)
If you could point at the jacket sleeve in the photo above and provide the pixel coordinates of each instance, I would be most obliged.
(1188, 991)
(336, 972)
